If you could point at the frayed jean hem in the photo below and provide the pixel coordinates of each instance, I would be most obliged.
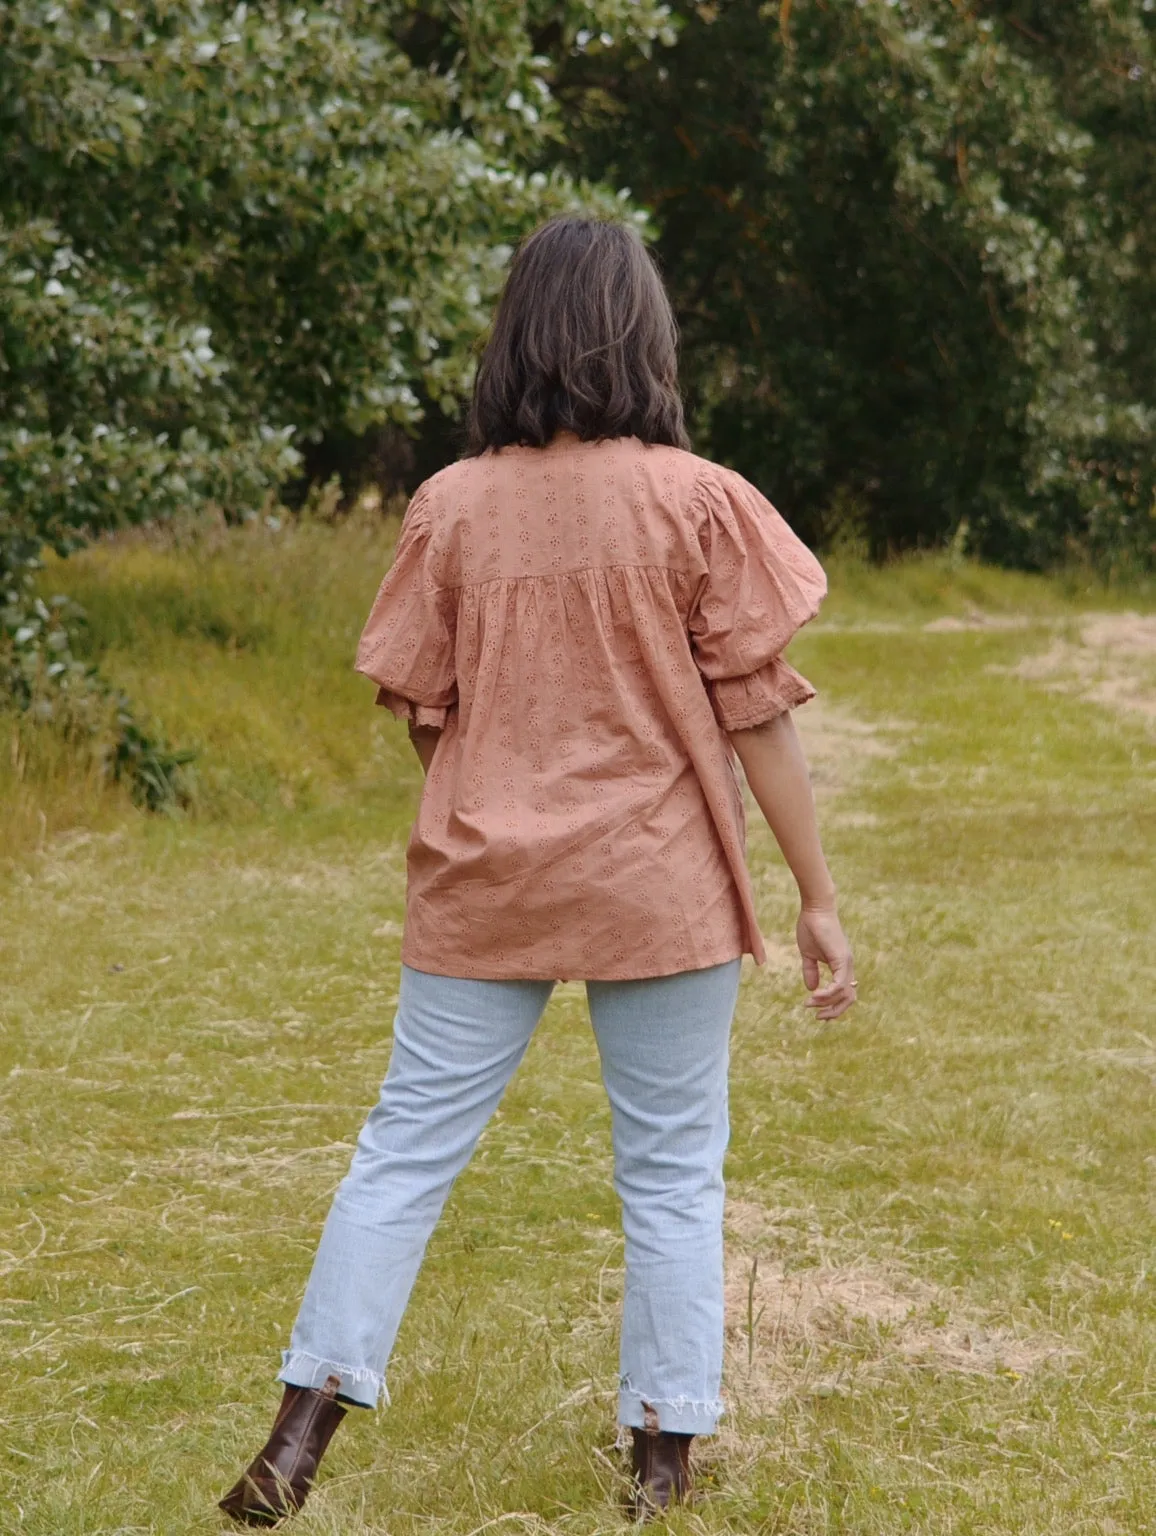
(358, 1384)
(672, 1415)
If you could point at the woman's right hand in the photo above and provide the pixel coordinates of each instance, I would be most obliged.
(822, 941)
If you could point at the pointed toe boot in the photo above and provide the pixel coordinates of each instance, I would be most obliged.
(661, 1472)
(277, 1481)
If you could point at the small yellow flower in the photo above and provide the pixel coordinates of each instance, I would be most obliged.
(1067, 1236)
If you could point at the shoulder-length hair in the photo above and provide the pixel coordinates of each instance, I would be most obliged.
(584, 340)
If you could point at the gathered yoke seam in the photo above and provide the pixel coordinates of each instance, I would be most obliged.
(574, 570)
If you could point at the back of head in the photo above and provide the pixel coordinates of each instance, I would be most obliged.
(583, 341)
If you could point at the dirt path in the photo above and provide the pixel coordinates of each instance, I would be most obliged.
(1111, 661)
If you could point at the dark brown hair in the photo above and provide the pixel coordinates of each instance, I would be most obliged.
(583, 341)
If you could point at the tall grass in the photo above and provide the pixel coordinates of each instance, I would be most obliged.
(940, 1226)
(238, 642)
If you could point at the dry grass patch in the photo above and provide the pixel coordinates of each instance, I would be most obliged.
(831, 732)
(1138, 1058)
(801, 1324)
(975, 619)
(840, 748)
(1111, 662)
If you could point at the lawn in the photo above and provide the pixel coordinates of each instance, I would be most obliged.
(941, 1207)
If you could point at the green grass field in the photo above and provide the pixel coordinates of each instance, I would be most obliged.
(941, 1207)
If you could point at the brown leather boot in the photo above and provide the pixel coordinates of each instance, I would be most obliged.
(661, 1467)
(278, 1480)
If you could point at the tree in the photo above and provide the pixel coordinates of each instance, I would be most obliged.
(895, 237)
(228, 231)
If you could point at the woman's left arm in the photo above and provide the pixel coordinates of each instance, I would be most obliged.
(776, 770)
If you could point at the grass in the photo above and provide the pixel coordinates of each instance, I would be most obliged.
(941, 1207)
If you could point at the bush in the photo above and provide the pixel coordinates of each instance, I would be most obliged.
(228, 231)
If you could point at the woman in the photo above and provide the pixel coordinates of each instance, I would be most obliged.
(581, 622)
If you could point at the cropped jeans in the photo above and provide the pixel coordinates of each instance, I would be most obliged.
(663, 1043)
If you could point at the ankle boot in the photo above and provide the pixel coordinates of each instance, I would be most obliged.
(277, 1481)
(661, 1468)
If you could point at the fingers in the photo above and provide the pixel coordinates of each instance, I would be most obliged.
(833, 1010)
(842, 981)
(833, 1000)
(810, 972)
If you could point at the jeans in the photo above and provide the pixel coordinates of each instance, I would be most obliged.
(663, 1043)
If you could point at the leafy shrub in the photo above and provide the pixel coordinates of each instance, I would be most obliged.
(229, 230)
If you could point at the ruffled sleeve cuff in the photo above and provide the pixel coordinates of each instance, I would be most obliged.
(419, 716)
(759, 697)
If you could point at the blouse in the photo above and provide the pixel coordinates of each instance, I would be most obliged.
(584, 623)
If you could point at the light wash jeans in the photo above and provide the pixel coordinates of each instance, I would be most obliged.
(664, 1044)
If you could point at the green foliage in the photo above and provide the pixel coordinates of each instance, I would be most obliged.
(154, 771)
(227, 231)
(905, 238)
(45, 678)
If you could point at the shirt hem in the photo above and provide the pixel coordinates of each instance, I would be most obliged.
(462, 968)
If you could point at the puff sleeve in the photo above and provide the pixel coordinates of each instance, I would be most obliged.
(407, 645)
(762, 584)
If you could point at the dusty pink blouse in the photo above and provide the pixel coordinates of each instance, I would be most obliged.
(583, 622)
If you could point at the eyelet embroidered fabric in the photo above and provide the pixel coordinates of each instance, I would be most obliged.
(583, 623)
